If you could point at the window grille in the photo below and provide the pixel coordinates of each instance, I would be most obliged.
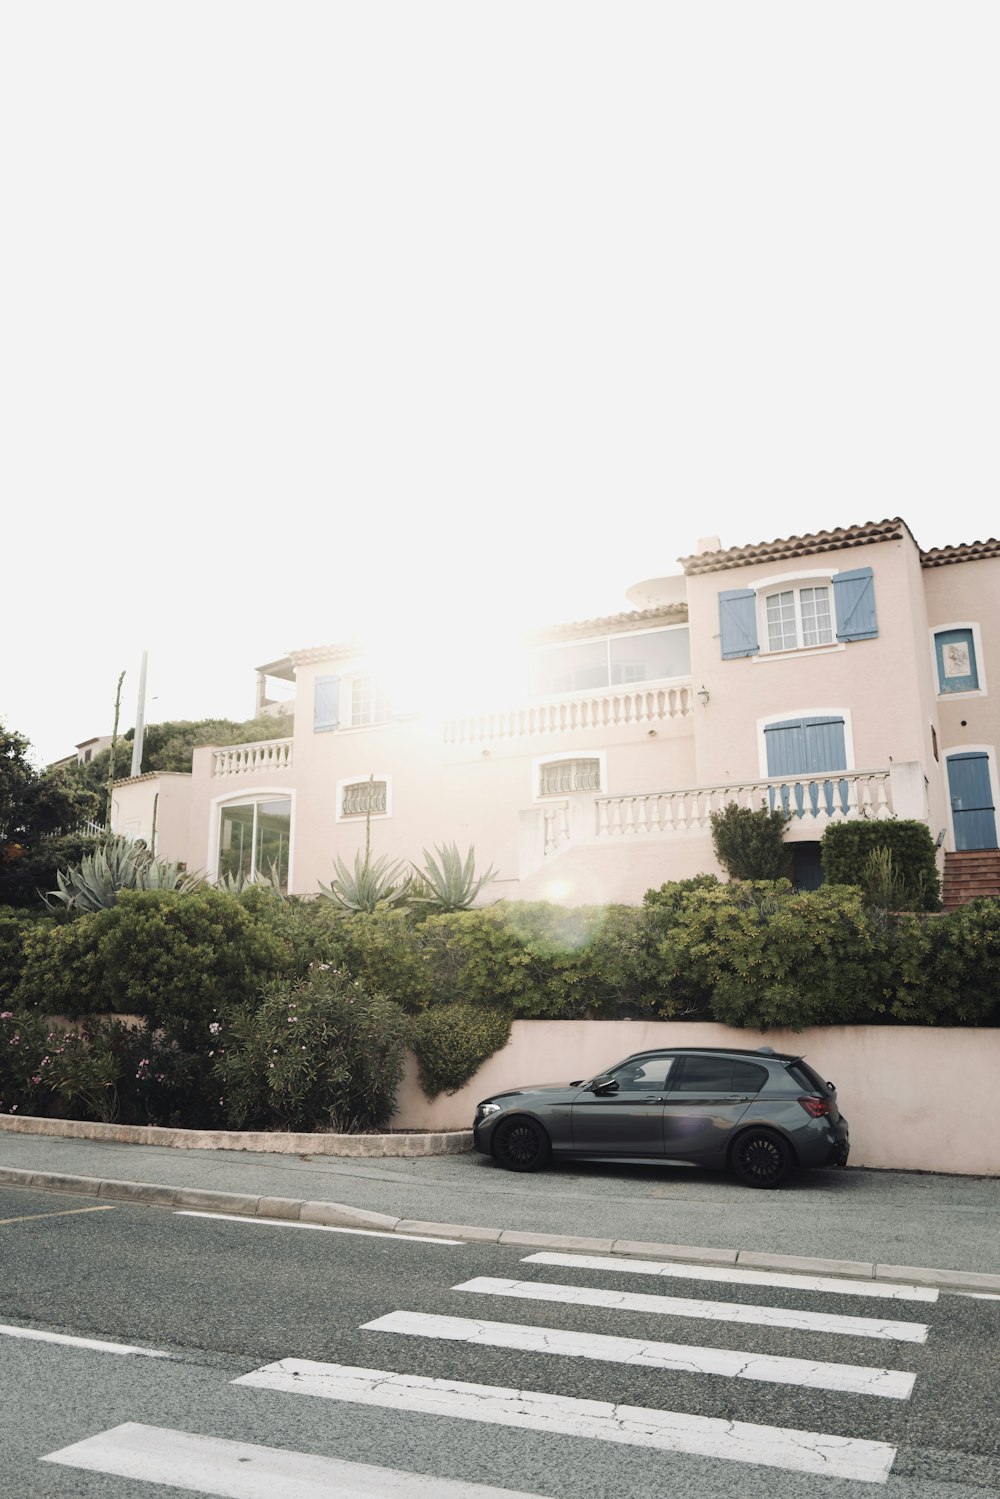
(559, 776)
(362, 797)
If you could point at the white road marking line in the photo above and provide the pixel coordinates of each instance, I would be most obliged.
(96, 1344)
(645, 1353)
(104, 1207)
(635, 1426)
(711, 1311)
(737, 1277)
(326, 1228)
(244, 1470)
(977, 1295)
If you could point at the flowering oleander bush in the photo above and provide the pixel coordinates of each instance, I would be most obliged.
(22, 1047)
(322, 1053)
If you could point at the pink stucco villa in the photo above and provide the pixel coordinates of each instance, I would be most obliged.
(843, 674)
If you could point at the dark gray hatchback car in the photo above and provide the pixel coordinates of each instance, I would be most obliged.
(756, 1113)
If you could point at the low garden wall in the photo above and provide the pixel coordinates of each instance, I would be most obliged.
(917, 1098)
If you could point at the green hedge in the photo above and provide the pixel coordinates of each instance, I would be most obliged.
(453, 1041)
(846, 847)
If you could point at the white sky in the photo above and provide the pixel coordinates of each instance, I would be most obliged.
(472, 313)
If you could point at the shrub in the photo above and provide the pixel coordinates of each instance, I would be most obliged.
(156, 1081)
(965, 968)
(23, 1040)
(453, 1041)
(15, 927)
(673, 895)
(80, 1071)
(846, 847)
(174, 959)
(25, 879)
(476, 956)
(749, 844)
(763, 955)
(320, 1053)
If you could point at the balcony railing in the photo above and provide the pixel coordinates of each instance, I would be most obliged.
(611, 708)
(809, 801)
(248, 759)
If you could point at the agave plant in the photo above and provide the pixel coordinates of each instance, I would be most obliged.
(448, 882)
(116, 864)
(235, 884)
(374, 882)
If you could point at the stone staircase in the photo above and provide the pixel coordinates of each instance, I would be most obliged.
(969, 874)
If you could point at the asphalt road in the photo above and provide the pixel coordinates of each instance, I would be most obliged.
(892, 1217)
(222, 1299)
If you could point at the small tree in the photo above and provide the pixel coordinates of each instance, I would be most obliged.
(750, 844)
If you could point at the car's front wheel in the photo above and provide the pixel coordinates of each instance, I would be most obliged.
(521, 1145)
(761, 1158)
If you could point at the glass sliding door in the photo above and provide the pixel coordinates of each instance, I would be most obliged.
(254, 839)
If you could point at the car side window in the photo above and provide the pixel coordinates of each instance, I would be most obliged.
(643, 1074)
(706, 1075)
(748, 1077)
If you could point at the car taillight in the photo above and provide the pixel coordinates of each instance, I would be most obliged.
(817, 1107)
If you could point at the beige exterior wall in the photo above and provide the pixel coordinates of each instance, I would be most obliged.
(874, 683)
(887, 1079)
(160, 806)
(967, 594)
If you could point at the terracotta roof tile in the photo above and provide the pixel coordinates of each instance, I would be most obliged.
(967, 551)
(797, 546)
(674, 613)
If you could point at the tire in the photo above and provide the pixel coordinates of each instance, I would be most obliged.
(761, 1158)
(520, 1144)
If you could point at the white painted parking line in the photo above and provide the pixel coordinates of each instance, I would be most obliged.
(885, 1290)
(634, 1426)
(326, 1228)
(244, 1470)
(95, 1344)
(710, 1311)
(855, 1379)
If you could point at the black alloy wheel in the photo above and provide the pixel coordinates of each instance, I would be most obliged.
(761, 1158)
(521, 1145)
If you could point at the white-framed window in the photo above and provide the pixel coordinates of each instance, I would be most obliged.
(361, 797)
(369, 704)
(796, 618)
(561, 775)
(255, 836)
(959, 667)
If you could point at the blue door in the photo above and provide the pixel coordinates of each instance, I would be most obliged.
(808, 747)
(971, 794)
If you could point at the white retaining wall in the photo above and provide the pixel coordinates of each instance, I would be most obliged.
(917, 1098)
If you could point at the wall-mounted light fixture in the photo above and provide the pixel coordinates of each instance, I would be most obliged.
(703, 694)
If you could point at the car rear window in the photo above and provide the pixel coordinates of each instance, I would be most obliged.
(806, 1077)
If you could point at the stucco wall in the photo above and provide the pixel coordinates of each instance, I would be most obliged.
(915, 1098)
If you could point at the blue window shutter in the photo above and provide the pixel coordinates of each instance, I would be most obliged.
(326, 703)
(738, 622)
(854, 599)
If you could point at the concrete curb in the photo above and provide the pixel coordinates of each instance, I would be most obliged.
(339, 1215)
(439, 1142)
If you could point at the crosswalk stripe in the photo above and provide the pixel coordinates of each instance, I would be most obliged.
(884, 1290)
(711, 1311)
(636, 1426)
(35, 1335)
(244, 1470)
(855, 1379)
(326, 1228)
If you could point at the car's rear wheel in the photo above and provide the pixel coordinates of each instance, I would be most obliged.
(761, 1158)
(521, 1144)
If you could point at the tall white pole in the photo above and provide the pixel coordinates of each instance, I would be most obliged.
(140, 721)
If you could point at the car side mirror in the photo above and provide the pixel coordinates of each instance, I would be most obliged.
(602, 1085)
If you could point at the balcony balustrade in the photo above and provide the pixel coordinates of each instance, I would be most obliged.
(611, 708)
(809, 801)
(248, 759)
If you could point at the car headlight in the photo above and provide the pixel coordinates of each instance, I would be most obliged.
(487, 1108)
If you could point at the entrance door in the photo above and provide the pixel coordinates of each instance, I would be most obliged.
(971, 794)
(707, 1100)
(627, 1117)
